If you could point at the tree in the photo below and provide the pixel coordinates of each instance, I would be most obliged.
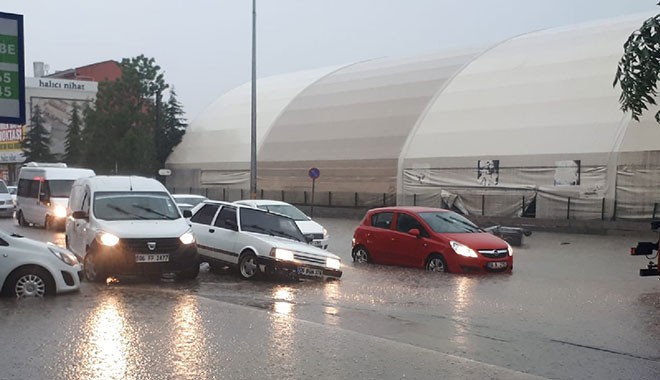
(639, 69)
(119, 130)
(171, 130)
(35, 145)
(74, 152)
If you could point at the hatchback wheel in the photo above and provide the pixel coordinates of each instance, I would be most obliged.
(248, 267)
(30, 282)
(360, 255)
(436, 263)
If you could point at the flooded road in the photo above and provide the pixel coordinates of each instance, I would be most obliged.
(574, 308)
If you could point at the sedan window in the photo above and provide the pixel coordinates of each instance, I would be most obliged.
(226, 218)
(448, 222)
(205, 214)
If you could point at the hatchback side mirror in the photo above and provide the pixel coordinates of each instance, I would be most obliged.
(414, 232)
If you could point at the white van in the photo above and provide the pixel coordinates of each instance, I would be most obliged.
(120, 225)
(43, 193)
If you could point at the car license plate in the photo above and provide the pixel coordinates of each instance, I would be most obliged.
(497, 265)
(152, 258)
(310, 272)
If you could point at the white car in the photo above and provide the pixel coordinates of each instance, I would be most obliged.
(7, 201)
(314, 232)
(188, 201)
(30, 268)
(258, 242)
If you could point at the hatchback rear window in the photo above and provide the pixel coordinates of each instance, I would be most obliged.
(382, 220)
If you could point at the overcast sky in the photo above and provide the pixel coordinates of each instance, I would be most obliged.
(204, 46)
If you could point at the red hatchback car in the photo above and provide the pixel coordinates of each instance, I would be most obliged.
(432, 238)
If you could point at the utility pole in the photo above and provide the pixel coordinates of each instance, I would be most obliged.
(253, 135)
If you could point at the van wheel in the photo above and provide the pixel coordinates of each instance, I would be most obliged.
(93, 272)
(189, 274)
(21, 220)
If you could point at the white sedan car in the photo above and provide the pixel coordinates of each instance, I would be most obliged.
(314, 232)
(258, 242)
(30, 268)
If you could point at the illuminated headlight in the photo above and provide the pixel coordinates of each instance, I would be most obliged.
(187, 238)
(508, 248)
(281, 254)
(59, 211)
(462, 250)
(325, 233)
(108, 239)
(62, 254)
(332, 263)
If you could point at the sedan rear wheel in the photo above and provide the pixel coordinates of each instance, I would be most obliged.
(30, 282)
(436, 263)
(360, 255)
(248, 268)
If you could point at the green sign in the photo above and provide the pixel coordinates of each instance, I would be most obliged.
(12, 69)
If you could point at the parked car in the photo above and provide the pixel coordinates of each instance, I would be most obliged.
(7, 201)
(257, 242)
(435, 239)
(188, 201)
(123, 225)
(314, 232)
(30, 268)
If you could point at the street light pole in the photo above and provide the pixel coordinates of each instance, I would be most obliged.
(253, 135)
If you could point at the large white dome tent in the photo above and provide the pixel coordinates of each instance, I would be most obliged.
(533, 120)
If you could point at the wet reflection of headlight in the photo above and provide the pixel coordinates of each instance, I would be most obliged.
(333, 263)
(281, 254)
(59, 211)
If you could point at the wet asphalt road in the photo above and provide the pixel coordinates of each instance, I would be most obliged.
(574, 308)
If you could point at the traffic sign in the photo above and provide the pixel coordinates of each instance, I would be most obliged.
(12, 69)
(314, 173)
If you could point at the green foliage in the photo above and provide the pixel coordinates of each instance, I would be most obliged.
(123, 131)
(639, 69)
(74, 148)
(35, 145)
(171, 129)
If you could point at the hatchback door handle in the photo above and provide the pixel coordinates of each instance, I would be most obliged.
(211, 230)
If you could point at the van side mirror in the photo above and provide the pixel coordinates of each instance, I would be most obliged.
(187, 214)
(80, 215)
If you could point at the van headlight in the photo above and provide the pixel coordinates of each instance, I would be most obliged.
(59, 211)
(187, 238)
(325, 233)
(281, 254)
(333, 263)
(107, 239)
(62, 254)
(462, 250)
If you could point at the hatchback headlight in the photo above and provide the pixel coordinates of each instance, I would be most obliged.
(62, 254)
(462, 250)
(333, 263)
(187, 238)
(325, 233)
(281, 254)
(107, 239)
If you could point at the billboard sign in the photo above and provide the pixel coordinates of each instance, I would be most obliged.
(12, 69)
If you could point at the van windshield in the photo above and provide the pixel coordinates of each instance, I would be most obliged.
(134, 206)
(60, 188)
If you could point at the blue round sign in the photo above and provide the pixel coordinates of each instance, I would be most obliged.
(314, 173)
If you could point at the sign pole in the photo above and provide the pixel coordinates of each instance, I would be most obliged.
(313, 173)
